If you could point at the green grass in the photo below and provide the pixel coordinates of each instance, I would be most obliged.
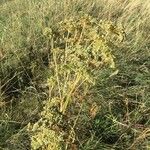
(74, 74)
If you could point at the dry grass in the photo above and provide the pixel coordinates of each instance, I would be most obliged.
(109, 110)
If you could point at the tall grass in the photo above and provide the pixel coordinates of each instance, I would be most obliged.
(66, 86)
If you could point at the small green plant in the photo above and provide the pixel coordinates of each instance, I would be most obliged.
(79, 52)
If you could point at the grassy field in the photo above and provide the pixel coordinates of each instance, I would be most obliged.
(74, 75)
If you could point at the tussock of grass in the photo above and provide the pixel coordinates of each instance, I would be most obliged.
(74, 74)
